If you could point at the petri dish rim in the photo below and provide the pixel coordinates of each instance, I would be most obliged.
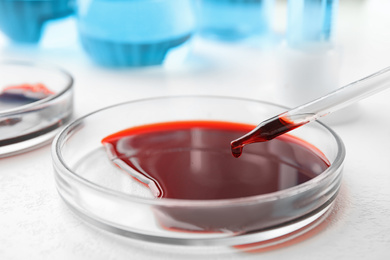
(60, 164)
(27, 107)
(34, 134)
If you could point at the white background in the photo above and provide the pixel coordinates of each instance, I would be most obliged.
(36, 224)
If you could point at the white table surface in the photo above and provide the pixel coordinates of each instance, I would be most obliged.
(36, 224)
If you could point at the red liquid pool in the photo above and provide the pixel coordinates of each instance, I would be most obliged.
(192, 160)
(23, 94)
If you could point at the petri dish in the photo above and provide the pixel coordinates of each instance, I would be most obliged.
(104, 196)
(35, 100)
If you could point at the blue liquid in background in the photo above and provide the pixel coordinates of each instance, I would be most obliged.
(23, 20)
(234, 19)
(113, 54)
(132, 33)
(310, 21)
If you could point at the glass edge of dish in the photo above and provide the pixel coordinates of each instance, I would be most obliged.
(27, 107)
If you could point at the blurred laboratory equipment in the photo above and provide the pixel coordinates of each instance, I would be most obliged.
(24, 21)
(310, 59)
(234, 19)
(133, 33)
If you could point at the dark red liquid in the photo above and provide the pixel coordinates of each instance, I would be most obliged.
(192, 160)
(266, 131)
(23, 94)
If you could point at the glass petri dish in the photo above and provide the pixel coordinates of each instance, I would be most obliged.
(35, 100)
(104, 196)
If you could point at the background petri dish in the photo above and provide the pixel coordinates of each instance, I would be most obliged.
(104, 196)
(35, 100)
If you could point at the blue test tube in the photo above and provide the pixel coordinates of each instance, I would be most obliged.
(310, 21)
(232, 20)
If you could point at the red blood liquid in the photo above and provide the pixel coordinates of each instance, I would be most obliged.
(25, 92)
(15, 96)
(192, 160)
(266, 131)
(20, 95)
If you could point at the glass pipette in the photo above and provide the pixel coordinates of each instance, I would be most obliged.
(313, 110)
